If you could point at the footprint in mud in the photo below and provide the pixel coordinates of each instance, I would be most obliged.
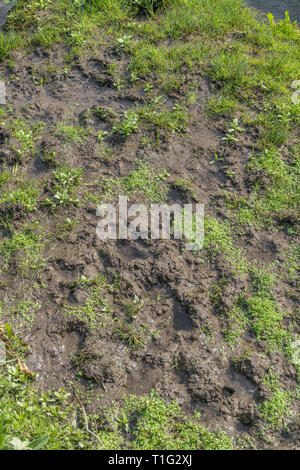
(181, 320)
(131, 252)
(143, 381)
(239, 386)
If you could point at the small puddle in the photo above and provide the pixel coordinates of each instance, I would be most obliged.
(131, 251)
(278, 7)
(4, 9)
(71, 343)
(159, 293)
(238, 385)
(181, 319)
(149, 377)
(143, 380)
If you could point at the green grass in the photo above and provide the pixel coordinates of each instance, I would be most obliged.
(53, 420)
(65, 182)
(47, 37)
(96, 310)
(168, 61)
(219, 239)
(158, 425)
(104, 113)
(8, 42)
(267, 321)
(261, 315)
(71, 133)
(288, 268)
(31, 420)
(144, 180)
(24, 247)
(26, 195)
(275, 189)
(276, 409)
(259, 312)
(20, 313)
(222, 104)
(25, 134)
(147, 181)
(238, 323)
(128, 125)
(173, 120)
(128, 333)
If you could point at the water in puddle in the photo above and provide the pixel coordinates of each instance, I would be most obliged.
(181, 319)
(4, 9)
(132, 251)
(278, 7)
(240, 386)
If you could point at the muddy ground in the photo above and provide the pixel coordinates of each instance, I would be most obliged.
(183, 354)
